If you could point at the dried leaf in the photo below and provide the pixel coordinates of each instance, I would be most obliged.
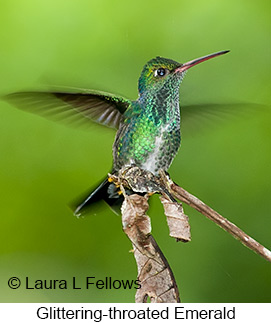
(156, 278)
(177, 221)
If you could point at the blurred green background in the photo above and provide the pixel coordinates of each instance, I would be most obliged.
(45, 165)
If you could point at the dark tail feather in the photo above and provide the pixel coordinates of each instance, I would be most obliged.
(105, 191)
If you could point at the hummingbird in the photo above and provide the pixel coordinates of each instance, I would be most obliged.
(148, 129)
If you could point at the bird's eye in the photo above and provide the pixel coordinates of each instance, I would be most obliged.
(160, 72)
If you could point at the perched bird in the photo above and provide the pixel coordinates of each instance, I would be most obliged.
(148, 133)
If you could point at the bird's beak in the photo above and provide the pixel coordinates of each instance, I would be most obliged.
(194, 62)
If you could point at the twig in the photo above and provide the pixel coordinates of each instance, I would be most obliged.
(158, 283)
(182, 195)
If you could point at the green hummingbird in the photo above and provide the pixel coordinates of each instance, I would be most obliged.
(148, 134)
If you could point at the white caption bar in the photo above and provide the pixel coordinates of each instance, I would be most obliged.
(99, 312)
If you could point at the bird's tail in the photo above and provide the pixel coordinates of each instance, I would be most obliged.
(104, 191)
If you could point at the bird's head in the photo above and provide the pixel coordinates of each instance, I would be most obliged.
(156, 73)
(160, 71)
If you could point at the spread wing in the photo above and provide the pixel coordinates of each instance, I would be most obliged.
(108, 109)
(103, 108)
(196, 117)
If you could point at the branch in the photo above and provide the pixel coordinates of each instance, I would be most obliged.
(156, 278)
(182, 195)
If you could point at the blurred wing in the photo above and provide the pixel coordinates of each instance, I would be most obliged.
(100, 107)
(198, 117)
